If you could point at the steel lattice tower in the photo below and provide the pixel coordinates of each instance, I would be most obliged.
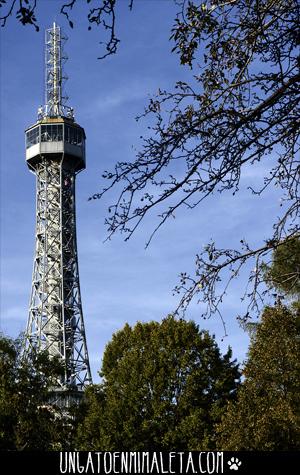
(55, 153)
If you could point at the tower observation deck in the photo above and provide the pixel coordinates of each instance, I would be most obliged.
(55, 153)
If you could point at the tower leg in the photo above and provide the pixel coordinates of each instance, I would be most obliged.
(55, 322)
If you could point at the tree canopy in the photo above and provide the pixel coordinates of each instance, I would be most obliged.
(165, 385)
(27, 421)
(284, 273)
(266, 415)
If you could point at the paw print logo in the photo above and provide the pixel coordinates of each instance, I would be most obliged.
(234, 463)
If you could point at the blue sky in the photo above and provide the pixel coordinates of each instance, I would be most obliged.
(120, 281)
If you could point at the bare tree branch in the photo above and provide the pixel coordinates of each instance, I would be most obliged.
(25, 14)
(104, 15)
(241, 107)
(64, 11)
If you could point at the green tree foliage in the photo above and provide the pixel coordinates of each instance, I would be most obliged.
(165, 385)
(266, 415)
(27, 422)
(284, 273)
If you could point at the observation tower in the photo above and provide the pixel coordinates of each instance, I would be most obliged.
(55, 153)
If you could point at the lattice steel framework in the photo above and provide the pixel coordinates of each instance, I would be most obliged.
(55, 152)
(55, 57)
(55, 316)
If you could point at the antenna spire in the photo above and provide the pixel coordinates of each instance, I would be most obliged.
(55, 101)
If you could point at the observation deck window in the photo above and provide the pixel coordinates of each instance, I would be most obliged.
(55, 133)
(52, 133)
(32, 137)
(73, 135)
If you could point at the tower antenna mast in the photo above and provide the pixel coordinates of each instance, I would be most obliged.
(55, 100)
